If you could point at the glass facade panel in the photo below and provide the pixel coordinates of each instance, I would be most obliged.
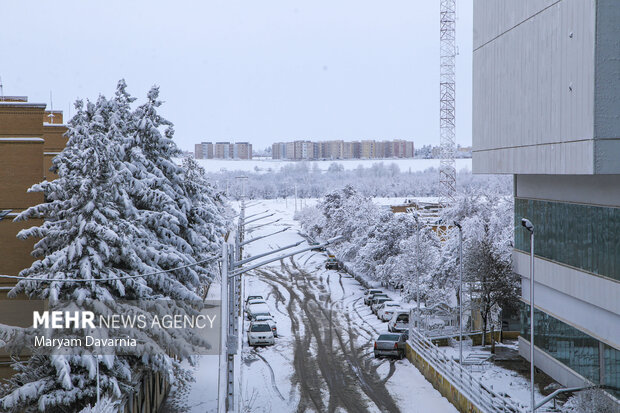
(582, 236)
(572, 347)
(612, 369)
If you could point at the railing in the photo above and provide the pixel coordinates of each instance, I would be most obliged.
(482, 396)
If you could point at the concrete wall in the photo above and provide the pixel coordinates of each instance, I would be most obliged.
(602, 190)
(440, 383)
(561, 292)
(546, 87)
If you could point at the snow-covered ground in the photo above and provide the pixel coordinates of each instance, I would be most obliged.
(323, 355)
(268, 165)
(323, 358)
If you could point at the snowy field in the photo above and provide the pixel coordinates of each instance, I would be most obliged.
(268, 165)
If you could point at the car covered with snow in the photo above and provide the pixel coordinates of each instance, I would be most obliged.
(399, 321)
(376, 297)
(377, 302)
(385, 310)
(254, 310)
(255, 301)
(260, 334)
(390, 345)
(268, 319)
(370, 294)
(253, 297)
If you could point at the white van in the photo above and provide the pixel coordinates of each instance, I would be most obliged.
(399, 321)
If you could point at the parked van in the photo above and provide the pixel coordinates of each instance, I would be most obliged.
(399, 321)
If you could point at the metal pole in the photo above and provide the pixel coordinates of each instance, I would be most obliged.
(528, 225)
(417, 271)
(460, 295)
(224, 332)
(532, 318)
(295, 197)
(98, 388)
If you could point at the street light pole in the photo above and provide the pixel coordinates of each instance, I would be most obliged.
(458, 225)
(528, 225)
(417, 269)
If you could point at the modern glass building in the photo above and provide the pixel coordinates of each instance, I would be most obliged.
(546, 109)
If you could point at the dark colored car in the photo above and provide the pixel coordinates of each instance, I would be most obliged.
(332, 263)
(391, 345)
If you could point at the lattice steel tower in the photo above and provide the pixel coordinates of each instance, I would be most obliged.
(447, 169)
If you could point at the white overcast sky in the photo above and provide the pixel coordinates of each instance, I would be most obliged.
(261, 71)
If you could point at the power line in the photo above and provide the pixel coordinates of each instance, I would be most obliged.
(16, 277)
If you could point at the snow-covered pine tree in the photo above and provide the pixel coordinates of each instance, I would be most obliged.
(92, 230)
(188, 226)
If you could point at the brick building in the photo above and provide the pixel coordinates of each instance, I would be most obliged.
(30, 137)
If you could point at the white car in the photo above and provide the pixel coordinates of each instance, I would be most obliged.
(257, 309)
(386, 310)
(260, 334)
(399, 321)
(268, 319)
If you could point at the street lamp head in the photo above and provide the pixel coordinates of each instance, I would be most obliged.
(527, 224)
(4, 213)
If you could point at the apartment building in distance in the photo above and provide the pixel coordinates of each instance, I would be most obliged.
(546, 109)
(339, 149)
(223, 150)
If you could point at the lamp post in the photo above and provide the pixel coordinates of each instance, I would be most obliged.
(458, 225)
(530, 228)
(417, 269)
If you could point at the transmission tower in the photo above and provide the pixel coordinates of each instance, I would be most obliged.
(447, 169)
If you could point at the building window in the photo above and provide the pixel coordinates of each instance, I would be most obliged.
(582, 236)
(572, 347)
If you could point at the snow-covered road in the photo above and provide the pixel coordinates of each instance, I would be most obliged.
(322, 360)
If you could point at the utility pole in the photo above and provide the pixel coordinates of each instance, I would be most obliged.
(458, 225)
(223, 379)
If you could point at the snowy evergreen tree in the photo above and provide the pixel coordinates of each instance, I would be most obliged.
(113, 214)
(164, 205)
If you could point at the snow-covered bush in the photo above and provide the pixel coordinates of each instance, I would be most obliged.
(589, 401)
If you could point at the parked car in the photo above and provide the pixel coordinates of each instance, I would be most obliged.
(371, 291)
(378, 301)
(268, 319)
(386, 310)
(390, 344)
(370, 295)
(317, 247)
(255, 301)
(260, 334)
(399, 321)
(376, 297)
(332, 263)
(253, 297)
(254, 310)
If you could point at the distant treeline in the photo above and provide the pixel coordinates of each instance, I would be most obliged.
(378, 180)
